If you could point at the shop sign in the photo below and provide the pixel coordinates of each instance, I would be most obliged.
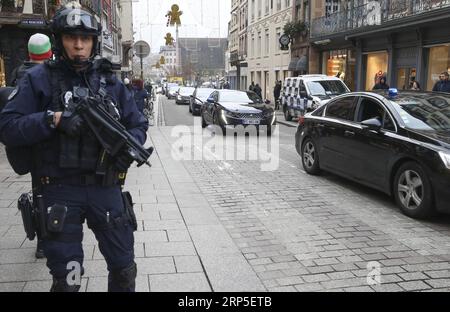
(33, 23)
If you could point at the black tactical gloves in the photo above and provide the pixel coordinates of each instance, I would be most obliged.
(123, 161)
(71, 123)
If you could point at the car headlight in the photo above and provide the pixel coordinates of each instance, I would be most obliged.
(445, 158)
(230, 114)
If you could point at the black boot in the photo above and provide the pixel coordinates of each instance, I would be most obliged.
(39, 251)
(60, 285)
(123, 280)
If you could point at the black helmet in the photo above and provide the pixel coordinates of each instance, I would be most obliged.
(72, 20)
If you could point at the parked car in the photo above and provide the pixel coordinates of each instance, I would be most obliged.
(303, 94)
(184, 95)
(231, 108)
(198, 99)
(398, 143)
(172, 92)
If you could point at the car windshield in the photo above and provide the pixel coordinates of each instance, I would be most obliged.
(174, 88)
(240, 97)
(326, 87)
(426, 113)
(204, 93)
(186, 91)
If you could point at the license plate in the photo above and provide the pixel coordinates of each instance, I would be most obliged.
(251, 122)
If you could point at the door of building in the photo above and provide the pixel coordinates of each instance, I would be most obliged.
(266, 85)
(404, 77)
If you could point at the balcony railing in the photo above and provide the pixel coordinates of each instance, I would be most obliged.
(372, 14)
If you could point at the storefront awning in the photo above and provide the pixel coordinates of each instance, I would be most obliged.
(302, 64)
(293, 64)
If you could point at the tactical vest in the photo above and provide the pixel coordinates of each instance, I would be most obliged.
(82, 152)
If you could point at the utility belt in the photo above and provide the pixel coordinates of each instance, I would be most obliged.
(48, 222)
(86, 180)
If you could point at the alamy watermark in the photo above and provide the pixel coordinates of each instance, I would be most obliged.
(251, 143)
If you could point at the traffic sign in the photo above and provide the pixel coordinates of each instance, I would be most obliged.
(142, 49)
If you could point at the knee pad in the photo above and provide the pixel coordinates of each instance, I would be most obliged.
(125, 278)
(60, 285)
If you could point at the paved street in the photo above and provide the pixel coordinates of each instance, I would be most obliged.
(226, 225)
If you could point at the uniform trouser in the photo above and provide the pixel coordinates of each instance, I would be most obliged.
(115, 241)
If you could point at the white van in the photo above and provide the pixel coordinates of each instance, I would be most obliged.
(303, 94)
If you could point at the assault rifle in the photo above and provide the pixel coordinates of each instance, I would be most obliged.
(112, 135)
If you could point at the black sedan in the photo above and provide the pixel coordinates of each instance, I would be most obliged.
(398, 143)
(232, 108)
(198, 99)
(184, 95)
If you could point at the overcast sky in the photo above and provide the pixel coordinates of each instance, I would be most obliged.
(201, 19)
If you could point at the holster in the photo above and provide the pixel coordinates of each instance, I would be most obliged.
(25, 205)
(129, 210)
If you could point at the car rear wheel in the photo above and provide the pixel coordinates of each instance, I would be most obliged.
(287, 114)
(412, 191)
(310, 157)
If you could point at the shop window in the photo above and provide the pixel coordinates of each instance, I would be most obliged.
(2, 73)
(377, 65)
(341, 64)
(438, 62)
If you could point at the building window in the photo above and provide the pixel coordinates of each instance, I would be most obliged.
(287, 3)
(438, 62)
(277, 41)
(377, 65)
(267, 43)
(278, 5)
(252, 47)
(331, 6)
(253, 8)
(259, 43)
(259, 8)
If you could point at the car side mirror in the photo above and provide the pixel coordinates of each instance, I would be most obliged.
(210, 100)
(373, 124)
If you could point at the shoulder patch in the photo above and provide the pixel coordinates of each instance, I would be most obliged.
(13, 93)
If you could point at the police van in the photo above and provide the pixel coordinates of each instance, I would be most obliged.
(303, 94)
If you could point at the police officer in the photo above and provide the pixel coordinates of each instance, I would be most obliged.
(67, 154)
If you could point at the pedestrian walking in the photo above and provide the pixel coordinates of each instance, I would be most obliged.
(276, 94)
(415, 85)
(443, 85)
(39, 50)
(382, 85)
(252, 86)
(257, 89)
